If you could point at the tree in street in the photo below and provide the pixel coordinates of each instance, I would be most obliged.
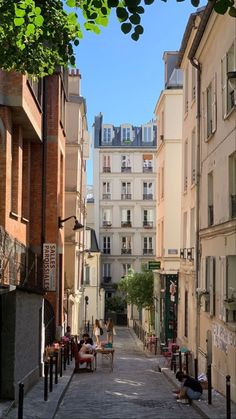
(38, 35)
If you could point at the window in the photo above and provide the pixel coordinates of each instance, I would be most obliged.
(126, 190)
(147, 246)
(228, 63)
(106, 164)
(185, 225)
(186, 91)
(147, 134)
(126, 218)
(126, 245)
(106, 272)
(147, 163)
(193, 157)
(25, 181)
(162, 126)
(106, 218)
(209, 101)
(186, 314)
(87, 275)
(125, 163)
(148, 218)
(107, 245)
(107, 135)
(125, 268)
(185, 165)
(158, 186)
(147, 190)
(106, 190)
(63, 105)
(210, 200)
(193, 83)
(209, 299)
(162, 182)
(228, 288)
(232, 185)
(126, 133)
(192, 227)
(14, 169)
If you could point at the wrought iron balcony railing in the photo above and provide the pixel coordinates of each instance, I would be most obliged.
(126, 224)
(106, 279)
(126, 251)
(106, 169)
(148, 196)
(106, 196)
(107, 223)
(147, 169)
(148, 224)
(125, 169)
(107, 251)
(147, 251)
(125, 196)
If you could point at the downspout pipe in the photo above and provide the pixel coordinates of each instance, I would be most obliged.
(195, 63)
(44, 164)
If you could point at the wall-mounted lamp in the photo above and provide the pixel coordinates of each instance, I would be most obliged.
(231, 76)
(77, 225)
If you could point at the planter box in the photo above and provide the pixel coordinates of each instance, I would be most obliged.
(230, 305)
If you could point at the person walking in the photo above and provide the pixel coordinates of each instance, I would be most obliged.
(97, 332)
(110, 330)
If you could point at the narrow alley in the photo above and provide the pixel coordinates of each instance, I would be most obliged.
(135, 388)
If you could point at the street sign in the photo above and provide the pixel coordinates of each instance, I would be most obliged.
(154, 264)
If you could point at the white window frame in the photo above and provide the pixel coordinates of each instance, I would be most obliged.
(125, 160)
(107, 134)
(126, 215)
(228, 95)
(106, 270)
(106, 242)
(210, 109)
(147, 133)
(126, 133)
(125, 268)
(193, 157)
(126, 242)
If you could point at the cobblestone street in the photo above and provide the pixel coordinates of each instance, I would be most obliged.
(135, 388)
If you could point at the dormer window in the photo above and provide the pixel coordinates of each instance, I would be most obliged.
(107, 134)
(147, 133)
(126, 133)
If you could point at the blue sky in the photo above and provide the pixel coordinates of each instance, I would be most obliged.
(122, 78)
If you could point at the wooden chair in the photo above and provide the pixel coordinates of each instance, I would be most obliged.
(81, 360)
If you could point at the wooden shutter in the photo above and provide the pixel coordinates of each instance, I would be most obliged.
(214, 103)
(212, 286)
(224, 85)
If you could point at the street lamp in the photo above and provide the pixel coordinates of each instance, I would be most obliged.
(77, 226)
(85, 312)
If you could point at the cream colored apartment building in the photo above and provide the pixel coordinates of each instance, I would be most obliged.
(213, 52)
(125, 198)
(168, 112)
(77, 151)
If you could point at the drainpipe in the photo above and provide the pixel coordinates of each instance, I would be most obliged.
(44, 163)
(197, 65)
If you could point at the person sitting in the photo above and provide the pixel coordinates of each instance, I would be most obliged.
(191, 388)
(86, 339)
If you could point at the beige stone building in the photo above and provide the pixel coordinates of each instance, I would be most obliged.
(77, 151)
(169, 159)
(210, 302)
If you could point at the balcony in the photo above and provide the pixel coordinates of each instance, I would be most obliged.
(147, 251)
(183, 253)
(106, 169)
(147, 196)
(210, 215)
(148, 224)
(107, 223)
(233, 206)
(125, 196)
(125, 169)
(126, 251)
(126, 224)
(106, 279)
(147, 169)
(19, 265)
(190, 253)
(107, 251)
(106, 196)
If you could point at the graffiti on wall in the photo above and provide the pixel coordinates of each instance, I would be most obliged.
(222, 338)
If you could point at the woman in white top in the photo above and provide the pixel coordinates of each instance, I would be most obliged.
(97, 332)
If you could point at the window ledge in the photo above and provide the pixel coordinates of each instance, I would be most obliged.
(24, 220)
(14, 215)
(210, 136)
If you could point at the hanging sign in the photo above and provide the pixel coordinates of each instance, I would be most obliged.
(49, 266)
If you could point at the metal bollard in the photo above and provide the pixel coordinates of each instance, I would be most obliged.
(51, 373)
(174, 363)
(64, 357)
(71, 350)
(186, 362)
(68, 353)
(180, 361)
(45, 381)
(61, 354)
(228, 402)
(196, 368)
(56, 367)
(209, 384)
(155, 346)
(21, 401)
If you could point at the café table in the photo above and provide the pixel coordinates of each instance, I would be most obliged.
(107, 353)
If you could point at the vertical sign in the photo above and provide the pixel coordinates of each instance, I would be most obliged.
(49, 266)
